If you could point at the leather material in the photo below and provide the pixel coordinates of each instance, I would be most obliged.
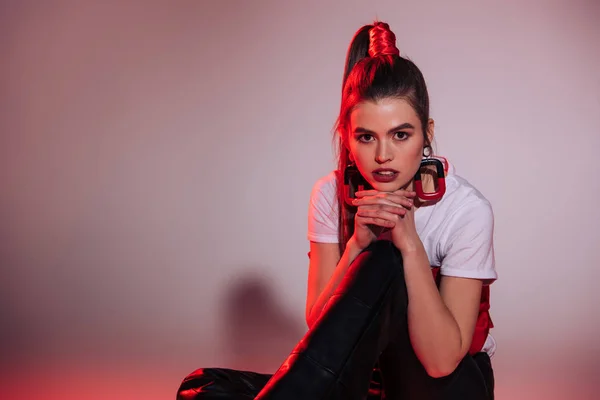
(363, 327)
(221, 383)
(230, 384)
(336, 357)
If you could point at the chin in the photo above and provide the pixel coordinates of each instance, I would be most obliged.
(388, 186)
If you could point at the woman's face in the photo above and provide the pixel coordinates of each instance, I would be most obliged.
(386, 142)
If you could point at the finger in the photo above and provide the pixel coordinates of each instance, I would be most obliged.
(362, 193)
(385, 223)
(393, 209)
(395, 201)
(379, 214)
(402, 192)
(400, 199)
(374, 201)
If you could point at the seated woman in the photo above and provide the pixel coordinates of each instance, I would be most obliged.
(401, 258)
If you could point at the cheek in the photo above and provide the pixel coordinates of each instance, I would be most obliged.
(360, 155)
(414, 155)
(416, 150)
(354, 151)
(419, 152)
(361, 159)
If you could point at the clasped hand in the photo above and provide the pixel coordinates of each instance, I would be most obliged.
(378, 211)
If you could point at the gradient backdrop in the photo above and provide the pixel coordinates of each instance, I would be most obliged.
(156, 160)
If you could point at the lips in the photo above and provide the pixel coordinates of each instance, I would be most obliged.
(385, 175)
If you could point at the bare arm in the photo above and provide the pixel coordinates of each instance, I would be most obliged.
(441, 322)
(325, 273)
(328, 267)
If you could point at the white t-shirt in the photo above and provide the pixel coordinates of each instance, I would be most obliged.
(457, 231)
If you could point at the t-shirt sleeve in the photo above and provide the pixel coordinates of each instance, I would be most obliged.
(323, 211)
(469, 243)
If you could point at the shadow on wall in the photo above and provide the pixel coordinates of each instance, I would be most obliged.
(258, 334)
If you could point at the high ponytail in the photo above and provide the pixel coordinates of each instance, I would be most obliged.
(370, 41)
(374, 70)
(382, 41)
(359, 49)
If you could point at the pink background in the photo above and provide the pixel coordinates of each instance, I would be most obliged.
(156, 160)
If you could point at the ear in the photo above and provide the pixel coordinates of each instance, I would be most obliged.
(430, 130)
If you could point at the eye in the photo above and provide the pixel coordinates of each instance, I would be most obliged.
(365, 138)
(401, 135)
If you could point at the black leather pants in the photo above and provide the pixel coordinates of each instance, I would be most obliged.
(364, 324)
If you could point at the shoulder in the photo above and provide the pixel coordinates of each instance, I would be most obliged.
(323, 210)
(324, 192)
(467, 232)
(463, 202)
(461, 198)
(326, 185)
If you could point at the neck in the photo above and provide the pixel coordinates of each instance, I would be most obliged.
(428, 186)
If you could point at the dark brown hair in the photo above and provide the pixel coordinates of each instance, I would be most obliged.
(374, 71)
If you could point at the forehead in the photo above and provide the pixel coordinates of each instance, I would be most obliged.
(383, 114)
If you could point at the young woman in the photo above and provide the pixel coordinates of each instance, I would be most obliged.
(401, 258)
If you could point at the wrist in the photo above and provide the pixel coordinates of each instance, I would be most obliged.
(416, 260)
(411, 248)
(353, 248)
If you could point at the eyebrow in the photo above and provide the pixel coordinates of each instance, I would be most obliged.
(405, 125)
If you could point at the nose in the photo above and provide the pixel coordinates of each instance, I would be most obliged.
(383, 154)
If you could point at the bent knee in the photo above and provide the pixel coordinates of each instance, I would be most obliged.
(382, 254)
